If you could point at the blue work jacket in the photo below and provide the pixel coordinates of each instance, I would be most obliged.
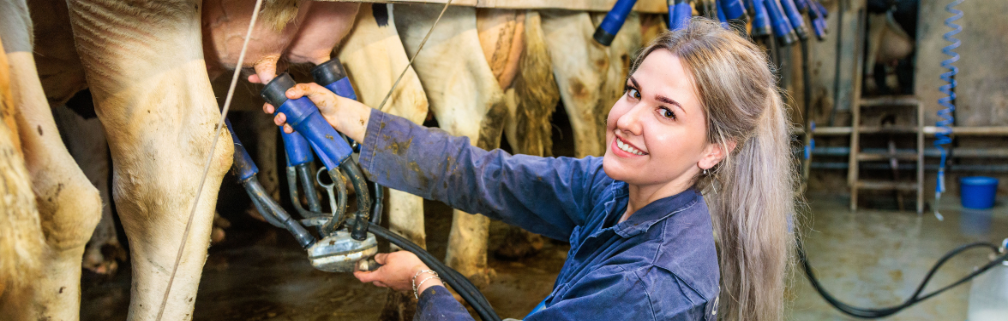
(659, 264)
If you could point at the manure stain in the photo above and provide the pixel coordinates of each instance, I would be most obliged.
(40, 130)
(424, 180)
(400, 148)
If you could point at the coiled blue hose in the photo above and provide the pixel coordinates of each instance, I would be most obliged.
(945, 117)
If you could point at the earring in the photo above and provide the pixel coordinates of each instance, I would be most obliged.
(706, 172)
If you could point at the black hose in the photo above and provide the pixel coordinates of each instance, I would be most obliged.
(806, 84)
(871, 313)
(304, 172)
(357, 231)
(379, 202)
(256, 191)
(266, 215)
(461, 284)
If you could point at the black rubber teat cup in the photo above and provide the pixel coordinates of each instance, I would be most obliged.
(328, 72)
(275, 91)
(787, 39)
(603, 37)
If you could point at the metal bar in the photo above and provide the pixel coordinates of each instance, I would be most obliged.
(999, 168)
(928, 152)
(644, 6)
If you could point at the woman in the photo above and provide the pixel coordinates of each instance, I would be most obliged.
(701, 113)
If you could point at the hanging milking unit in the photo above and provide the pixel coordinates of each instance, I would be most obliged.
(346, 241)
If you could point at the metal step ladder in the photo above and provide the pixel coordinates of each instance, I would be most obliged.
(855, 182)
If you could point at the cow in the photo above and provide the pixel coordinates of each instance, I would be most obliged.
(150, 78)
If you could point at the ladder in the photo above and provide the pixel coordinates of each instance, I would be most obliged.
(855, 182)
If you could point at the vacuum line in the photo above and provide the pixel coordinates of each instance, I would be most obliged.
(213, 146)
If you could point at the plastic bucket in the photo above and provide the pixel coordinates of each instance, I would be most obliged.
(977, 192)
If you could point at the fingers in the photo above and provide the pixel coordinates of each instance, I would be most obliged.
(381, 258)
(365, 276)
(269, 109)
(280, 119)
(254, 79)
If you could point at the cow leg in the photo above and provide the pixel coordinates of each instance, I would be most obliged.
(590, 75)
(514, 46)
(580, 66)
(876, 29)
(86, 142)
(153, 96)
(68, 205)
(373, 57)
(466, 100)
(21, 239)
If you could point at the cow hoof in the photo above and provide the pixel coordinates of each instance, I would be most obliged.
(219, 224)
(869, 84)
(482, 277)
(518, 244)
(104, 260)
(253, 213)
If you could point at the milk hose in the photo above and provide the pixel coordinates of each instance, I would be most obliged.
(916, 297)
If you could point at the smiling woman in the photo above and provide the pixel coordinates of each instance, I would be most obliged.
(700, 113)
(721, 83)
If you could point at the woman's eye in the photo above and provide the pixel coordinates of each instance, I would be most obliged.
(667, 113)
(633, 92)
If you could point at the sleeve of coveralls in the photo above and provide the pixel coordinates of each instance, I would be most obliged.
(545, 195)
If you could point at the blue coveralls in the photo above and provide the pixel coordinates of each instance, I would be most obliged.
(660, 264)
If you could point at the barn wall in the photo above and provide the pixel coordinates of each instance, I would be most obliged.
(982, 90)
(982, 81)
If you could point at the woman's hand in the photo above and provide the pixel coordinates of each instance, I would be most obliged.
(347, 116)
(397, 271)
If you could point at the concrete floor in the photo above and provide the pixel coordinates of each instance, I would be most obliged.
(869, 258)
(873, 258)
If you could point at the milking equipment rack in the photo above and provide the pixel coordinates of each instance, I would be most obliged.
(346, 241)
(784, 20)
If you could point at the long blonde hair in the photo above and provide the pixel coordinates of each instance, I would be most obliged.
(751, 192)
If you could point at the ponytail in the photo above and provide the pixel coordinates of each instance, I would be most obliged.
(749, 209)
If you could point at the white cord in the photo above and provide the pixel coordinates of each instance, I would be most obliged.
(213, 146)
(415, 54)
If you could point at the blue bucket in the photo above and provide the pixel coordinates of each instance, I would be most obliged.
(977, 192)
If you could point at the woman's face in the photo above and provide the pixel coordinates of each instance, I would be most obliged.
(656, 133)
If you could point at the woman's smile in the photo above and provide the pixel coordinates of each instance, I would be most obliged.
(626, 149)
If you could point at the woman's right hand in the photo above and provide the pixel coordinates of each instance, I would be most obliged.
(347, 116)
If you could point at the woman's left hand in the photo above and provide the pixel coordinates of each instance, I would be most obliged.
(396, 272)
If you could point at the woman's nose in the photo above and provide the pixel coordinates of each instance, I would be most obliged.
(630, 122)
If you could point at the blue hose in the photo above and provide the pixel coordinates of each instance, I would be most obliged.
(945, 117)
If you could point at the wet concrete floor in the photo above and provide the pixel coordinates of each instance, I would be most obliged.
(869, 258)
(875, 258)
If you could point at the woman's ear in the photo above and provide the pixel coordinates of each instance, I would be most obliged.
(715, 153)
